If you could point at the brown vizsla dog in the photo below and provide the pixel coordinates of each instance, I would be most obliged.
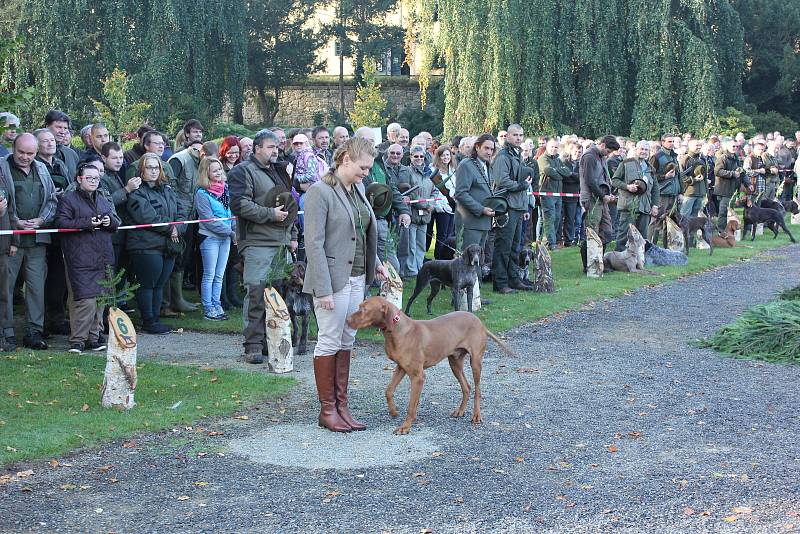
(416, 345)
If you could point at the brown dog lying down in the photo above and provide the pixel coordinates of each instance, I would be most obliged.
(727, 239)
(416, 345)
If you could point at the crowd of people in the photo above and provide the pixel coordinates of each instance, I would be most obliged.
(345, 204)
(255, 196)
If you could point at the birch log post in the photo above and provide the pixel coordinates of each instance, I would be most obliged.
(476, 298)
(119, 379)
(675, 239)
(594, 254)
(279, 332)
(392, 289)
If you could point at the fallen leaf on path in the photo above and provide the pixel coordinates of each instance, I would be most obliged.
(634, 435)
(105, 468)
(688, 511)
(612, 448)
(241, 417)
(215, 433)
(742, 510)
(201, 483)
(459, 500)
(183, 498)
(437, 454)
(528, 507)
(731, 518)
(54, 463)
(25, 474)
(129, 444)
(67, 486)
(85, 407)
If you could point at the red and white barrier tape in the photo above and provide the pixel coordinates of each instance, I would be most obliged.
(545, 194)
(130, 227)
(424, 200)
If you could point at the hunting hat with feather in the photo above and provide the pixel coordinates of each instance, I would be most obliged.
(279, 196)
(380, 197)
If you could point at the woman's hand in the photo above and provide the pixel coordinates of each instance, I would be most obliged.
(382, 272)
(326, 303)
(174, 234)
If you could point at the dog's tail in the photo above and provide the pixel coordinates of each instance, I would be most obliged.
(500, 342)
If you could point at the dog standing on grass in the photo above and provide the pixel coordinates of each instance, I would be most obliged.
(417, 345)
(459, 273)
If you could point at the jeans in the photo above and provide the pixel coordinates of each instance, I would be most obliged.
(416, 249)
(551, 214)
(214, 251)
(152, 271)
(691, 206)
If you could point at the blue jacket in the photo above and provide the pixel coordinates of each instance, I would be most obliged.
(210, 207)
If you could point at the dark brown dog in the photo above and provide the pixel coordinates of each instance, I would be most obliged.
(416, 345)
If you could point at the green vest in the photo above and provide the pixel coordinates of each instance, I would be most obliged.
(186, 183)
(29, 197)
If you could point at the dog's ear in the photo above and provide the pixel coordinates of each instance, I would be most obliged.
(388, 317)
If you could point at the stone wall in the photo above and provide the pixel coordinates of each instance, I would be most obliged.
(299, 103)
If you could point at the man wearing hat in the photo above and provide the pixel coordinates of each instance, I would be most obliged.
(638, 194)
(261, 199)
(9, 124)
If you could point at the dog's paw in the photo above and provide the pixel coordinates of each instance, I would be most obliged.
(457, 413)
(477, 419)
(402, 430)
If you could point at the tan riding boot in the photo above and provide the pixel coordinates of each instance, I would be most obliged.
(342, 381)
(325, 376)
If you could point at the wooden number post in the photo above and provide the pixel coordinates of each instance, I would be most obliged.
(392, 289)
(279, 332)
(674, 236)
(119, 380)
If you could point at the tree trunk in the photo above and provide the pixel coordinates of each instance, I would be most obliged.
(276, 106)
(238, 113)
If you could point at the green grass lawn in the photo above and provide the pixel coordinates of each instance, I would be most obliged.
(573, 289)
(50, 402)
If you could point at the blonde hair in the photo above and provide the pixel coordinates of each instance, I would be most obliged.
(355, 148)
(203, 171)
(162, 177)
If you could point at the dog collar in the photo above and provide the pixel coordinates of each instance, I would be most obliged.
(395, 320)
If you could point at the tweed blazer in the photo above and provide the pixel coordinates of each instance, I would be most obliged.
(330, 239)
(473, 187)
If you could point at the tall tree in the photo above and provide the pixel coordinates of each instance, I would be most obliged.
(361, 30)
(633, 65)
(281, 49)
(772, 54)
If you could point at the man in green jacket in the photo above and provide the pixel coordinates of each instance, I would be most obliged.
(694, 184)
(665, 166)
(638, 194)
(729, 176)
(58, 123)
(511, 183)
(552, 172)
(260, 230)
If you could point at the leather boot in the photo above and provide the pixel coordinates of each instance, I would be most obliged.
(325, 377)
(342, 381)
(179, 304)
(584, 252)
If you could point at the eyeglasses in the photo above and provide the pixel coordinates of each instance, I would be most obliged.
(91, 178)
(418, 156)
(395, 153)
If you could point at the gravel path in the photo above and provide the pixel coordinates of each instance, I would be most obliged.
(607, 419)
